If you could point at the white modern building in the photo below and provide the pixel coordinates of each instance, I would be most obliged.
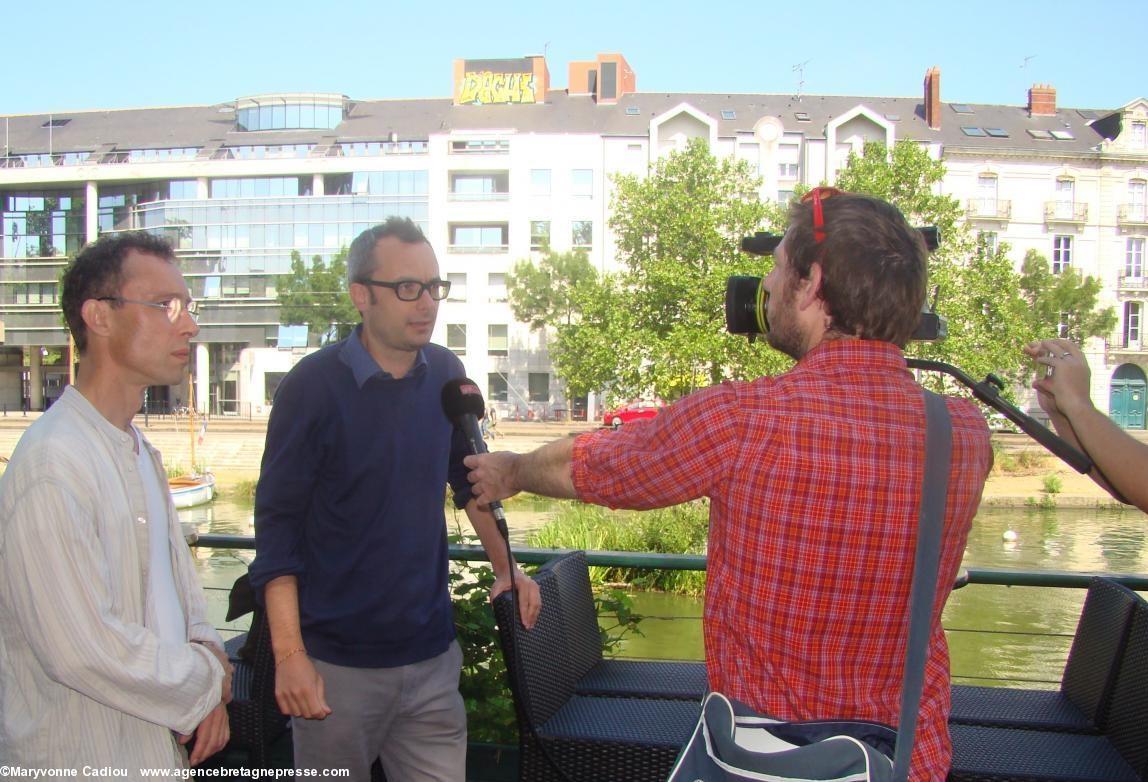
(492, 174)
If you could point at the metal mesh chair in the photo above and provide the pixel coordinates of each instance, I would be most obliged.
(1081, 703)
(594, 675)
(1126, 723)
(981, 753)
(256, 722)
(588, 738)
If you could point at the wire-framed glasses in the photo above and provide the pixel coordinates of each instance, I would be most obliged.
(411, 290)
(173, 308)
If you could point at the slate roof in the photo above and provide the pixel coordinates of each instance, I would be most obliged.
(412, 119)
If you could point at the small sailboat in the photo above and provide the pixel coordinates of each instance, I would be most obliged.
(187, 491)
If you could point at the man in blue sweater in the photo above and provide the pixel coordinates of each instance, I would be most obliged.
(350, 530)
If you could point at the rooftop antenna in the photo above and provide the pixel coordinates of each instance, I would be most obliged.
(1026, 59)
(799, 69)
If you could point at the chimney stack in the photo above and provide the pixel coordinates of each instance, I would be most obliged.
(607, 78)
(1042, 101)
(933, 98)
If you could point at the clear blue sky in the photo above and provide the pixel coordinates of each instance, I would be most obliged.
(80, 54)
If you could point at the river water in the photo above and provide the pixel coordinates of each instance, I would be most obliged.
(1017, 634)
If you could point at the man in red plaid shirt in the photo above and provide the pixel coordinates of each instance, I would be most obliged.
(814, 482)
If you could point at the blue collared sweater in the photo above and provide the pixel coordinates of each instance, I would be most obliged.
(350, 500)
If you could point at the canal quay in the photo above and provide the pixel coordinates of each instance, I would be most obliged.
(232, 448)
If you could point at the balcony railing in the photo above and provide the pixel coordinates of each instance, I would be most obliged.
(480, 147)
(483, 249)
(44, 160)
(478, 196)
(989, 209)
(1065, 212)
(1122, 346)
(1132, 214)
(1132, 282)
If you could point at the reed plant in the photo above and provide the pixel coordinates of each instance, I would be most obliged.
(243, 491)
(1020, 462)
(681, 529)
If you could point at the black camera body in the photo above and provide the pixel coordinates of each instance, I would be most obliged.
(746, 297)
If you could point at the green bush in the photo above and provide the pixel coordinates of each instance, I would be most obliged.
(1052, 484)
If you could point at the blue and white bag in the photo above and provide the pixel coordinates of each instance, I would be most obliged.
(732, 743)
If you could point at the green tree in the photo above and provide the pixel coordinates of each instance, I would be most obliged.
(317, 297)
(657, 326)
(544, 294)
(1065, 304)
(587, 351)
(678, 231)
(977, 292)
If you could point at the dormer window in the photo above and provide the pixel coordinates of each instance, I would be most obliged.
(311, 111)
(1139, 134)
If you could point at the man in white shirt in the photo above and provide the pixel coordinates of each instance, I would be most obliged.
(106, 657)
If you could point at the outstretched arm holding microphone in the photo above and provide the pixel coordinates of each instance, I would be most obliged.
(1121, 461)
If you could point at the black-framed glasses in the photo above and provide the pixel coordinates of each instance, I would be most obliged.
(173, 308)
(411, 290)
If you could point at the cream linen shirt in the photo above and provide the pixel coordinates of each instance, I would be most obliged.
(84, 679)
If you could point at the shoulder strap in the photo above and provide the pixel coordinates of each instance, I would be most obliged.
(934, 491)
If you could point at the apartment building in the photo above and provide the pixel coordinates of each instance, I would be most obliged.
(503, 167)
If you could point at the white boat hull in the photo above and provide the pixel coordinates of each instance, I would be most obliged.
(191, 491)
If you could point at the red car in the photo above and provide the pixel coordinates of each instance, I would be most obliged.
(635, 411)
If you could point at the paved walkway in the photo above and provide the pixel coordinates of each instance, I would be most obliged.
(233, 448)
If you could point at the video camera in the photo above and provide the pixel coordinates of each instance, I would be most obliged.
(746, 297)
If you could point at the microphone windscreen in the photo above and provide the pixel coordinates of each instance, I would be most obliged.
(461, 397)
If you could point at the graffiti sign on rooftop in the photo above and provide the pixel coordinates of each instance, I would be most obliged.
(490, 87)
(485, 82)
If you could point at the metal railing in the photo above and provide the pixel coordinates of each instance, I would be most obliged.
(989, 208)
(653, 561)
(697, 562)
(1132, 214)
(1065, 212)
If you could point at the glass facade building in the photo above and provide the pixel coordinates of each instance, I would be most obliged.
(242, 186)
